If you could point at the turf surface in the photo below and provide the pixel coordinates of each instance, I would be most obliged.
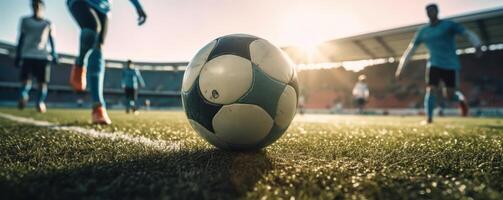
(319, 157)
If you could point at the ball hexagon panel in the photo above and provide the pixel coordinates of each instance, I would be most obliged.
(244, 124)
(271, 60)
(226, 78)
(195, 66)
(287, 105)
(237, 44)
(265, 92)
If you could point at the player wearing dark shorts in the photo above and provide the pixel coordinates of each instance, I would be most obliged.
(89, 68)
(443, 64)
(32, 55)
(435, 75)
(131, 79)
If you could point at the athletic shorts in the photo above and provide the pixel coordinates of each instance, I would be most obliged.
(131, 93)
(40, 69)
(360, 101)
(434, 75)
(88, 18)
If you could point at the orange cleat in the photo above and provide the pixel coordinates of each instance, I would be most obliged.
(41, 108)
(78, 78)
(100, 116)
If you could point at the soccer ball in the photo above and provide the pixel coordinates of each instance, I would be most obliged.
(240, 92)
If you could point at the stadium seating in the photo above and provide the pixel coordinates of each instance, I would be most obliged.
(323, 88)
(481, 83)
(162, 87)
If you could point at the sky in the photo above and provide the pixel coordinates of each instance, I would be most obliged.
(177, 29)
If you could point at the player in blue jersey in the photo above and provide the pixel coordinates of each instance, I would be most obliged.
(32, 55)
(443, 64)
(131, 79)
(92, 18)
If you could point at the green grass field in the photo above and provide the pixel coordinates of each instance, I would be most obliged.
(327, 157)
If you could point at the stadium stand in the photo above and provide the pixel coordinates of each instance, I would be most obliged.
(482, 84)
(163, 82)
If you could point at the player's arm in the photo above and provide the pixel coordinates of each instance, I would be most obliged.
(140, 78)
(20, 42)
(474, 40)
(457, 28)
(142, 16)
(407, 55)
(367, 92)
(53, 46)
(17, 59)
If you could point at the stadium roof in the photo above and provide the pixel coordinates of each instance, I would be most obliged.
(392, 43)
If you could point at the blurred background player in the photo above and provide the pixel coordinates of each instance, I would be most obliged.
(131, 78)
(300, 105)
(92, 18)
(443, 64)
(361, 93)
(147, 104)
(32, 54)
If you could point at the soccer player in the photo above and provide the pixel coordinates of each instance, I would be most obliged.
(361, 93)
(443, 64)
(92, 18)
(131, 76)
(33, 56)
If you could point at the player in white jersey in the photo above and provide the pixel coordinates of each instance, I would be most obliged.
(361, 93)
(92, 18)
(32, 55)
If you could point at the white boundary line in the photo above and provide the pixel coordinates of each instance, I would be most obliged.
(114, 136)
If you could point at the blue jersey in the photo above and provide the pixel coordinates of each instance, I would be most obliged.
(441, 44)
(102, 6)
(131, 78)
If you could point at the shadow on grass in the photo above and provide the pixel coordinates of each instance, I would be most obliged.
(195, 174)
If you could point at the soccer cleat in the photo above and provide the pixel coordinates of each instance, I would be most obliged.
(426, 122)
(78, 78)
(463, 106)
(100, 116)
(41, 108)
(135, 111)
(21, 104)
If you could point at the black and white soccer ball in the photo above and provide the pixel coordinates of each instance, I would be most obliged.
(240, 92)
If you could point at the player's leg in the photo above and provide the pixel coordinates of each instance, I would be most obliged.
(95, 63)
(42, 71)
(127, 99)
(453, 93)
(42, 95)
(90, 27)
(432, 81)
(361, 104)
(25, 76)
(430, 101)
(133, 101)
(24, 94)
